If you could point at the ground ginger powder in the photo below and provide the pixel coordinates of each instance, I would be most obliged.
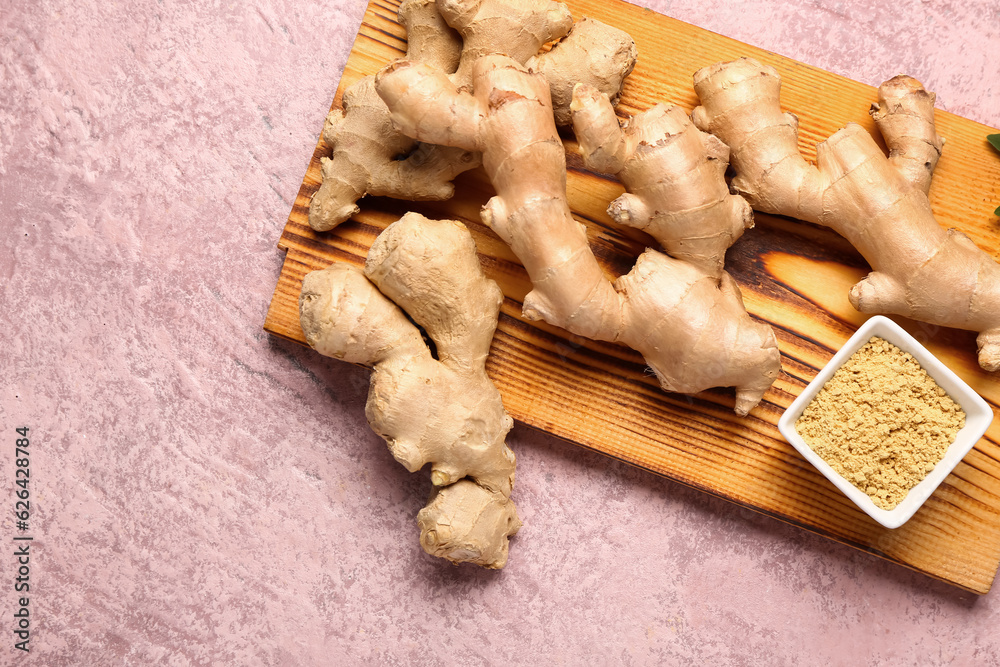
(881, 422)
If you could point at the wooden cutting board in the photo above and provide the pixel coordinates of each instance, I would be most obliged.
(794, 276)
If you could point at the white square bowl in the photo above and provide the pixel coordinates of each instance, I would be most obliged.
(978, 416)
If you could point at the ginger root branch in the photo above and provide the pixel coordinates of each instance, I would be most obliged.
(442, 412)
(368, 155)
(878, 203)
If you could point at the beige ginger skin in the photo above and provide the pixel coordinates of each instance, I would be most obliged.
(689, 325)
(517, 28)
(442, 411)
(589, 51)
(878, 203)
(673, 173)
(676, 191)
(449, 35)
(365, 147)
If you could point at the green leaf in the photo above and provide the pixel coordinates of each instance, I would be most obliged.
(994, 139)
(997, 212)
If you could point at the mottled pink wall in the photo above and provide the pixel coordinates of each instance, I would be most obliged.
(205, 495)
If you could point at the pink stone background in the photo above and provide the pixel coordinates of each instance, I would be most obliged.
(206, 495)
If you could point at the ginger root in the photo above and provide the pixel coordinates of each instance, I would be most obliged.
(588, 52)
(673, 173)
(674, 177)
(517, 28)
(593, 54)
(366, 151)
(878, 203)
(690, 326)
(443, 410)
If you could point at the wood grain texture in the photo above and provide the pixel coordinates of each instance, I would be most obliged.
(794, 276)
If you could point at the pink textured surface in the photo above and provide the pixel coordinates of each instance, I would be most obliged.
(205, 495)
